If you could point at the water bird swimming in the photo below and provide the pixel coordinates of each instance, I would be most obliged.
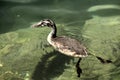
(66, 45)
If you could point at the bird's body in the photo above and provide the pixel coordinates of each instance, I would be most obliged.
(68, 46)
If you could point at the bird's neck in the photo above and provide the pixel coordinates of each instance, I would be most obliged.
(52, 34)
(53, 31)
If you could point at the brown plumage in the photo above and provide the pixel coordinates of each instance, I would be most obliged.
(68, 46)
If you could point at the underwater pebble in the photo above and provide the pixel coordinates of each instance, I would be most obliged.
(1, 65)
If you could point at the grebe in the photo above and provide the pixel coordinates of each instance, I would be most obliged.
(66, 45)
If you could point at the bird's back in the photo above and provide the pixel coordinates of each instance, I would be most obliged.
(69, 46)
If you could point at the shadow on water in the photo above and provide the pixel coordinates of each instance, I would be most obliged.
(51, 65)
(71, 14)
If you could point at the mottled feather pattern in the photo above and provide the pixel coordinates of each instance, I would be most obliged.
(69, 46)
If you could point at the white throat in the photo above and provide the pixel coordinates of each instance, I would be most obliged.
(49, 38)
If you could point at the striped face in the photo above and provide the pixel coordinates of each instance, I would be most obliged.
(45, 22)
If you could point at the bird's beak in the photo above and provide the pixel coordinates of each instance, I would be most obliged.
(36, 25)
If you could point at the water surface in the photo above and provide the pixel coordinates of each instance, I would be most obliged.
(26, 55)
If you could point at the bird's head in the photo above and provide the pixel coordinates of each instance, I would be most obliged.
(45, 22)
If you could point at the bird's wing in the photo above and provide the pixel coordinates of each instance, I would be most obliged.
(69, 45)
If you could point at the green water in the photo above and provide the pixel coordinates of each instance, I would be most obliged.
(26, 55)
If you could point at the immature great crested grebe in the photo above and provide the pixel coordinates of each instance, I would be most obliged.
(66, 45)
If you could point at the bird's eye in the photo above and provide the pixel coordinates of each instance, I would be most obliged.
(42, 24)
